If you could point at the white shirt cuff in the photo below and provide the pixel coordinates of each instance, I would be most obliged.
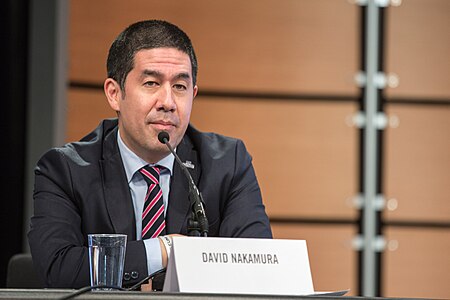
(153, 251)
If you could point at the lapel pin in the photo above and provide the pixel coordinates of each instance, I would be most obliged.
(189, 164)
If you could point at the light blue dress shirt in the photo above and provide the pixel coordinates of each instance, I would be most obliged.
(138, 189)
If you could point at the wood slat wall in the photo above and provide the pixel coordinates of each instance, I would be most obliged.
(308, 144)
(419, 267)
(418, 47)
(85, 109)
(417, 170)
(332, 260)
(417, 160)
(260, 46)
(302, 47)
(287, 46)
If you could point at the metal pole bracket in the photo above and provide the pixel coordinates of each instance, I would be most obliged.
(378, 244)
(379, 3)
(380, 80)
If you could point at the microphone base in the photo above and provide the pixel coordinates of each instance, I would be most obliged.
(194, 233)
(193, 228)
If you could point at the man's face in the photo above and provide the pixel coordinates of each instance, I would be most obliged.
(158, 97)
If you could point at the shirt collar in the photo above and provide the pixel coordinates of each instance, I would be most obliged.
(133, 163)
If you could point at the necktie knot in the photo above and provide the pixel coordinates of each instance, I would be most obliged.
(151, 174)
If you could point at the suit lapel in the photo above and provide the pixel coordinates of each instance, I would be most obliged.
(117, 194)
(179, 207)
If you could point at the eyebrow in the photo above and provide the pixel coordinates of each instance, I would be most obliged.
(151, 73)
(183, 76)
(159, 75)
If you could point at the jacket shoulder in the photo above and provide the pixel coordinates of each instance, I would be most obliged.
(217, 145)
(89, 149)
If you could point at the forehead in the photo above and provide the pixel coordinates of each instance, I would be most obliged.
(162, 58)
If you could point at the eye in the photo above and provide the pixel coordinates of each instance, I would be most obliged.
(180, 87)
(150, 83)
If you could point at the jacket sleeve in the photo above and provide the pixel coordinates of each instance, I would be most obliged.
(243, 214)
(57, 239)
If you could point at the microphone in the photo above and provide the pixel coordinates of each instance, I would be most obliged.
(198, 223)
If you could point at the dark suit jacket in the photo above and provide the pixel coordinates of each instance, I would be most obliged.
(81, 188)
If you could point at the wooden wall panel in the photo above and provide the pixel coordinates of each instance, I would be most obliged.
(85, 110)
(420, 266)
(418, 47)
(418, 163)
(304, 154)
(305, 46)
(309, 144)
(333, 262)
(289, 46)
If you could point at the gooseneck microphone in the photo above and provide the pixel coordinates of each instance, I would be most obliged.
(198, 223)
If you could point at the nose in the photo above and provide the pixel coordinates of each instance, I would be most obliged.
(166, 100)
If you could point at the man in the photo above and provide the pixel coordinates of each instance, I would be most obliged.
(97, 185)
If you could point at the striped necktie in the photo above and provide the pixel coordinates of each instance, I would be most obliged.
(153, 223)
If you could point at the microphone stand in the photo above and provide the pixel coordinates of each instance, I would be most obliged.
(197, 223)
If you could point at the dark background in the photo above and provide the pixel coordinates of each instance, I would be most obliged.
(13, 51)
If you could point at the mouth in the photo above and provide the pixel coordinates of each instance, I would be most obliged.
(163, 125)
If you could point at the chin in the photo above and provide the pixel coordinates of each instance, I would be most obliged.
(174, 142)
(161, 148)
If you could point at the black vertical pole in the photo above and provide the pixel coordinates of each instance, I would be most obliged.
(362, 63)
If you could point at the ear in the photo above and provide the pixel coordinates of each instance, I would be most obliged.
(195, 91)
(113, 93)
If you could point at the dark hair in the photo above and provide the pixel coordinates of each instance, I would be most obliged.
(146, 35)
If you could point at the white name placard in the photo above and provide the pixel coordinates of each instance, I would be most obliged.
(239, 266)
